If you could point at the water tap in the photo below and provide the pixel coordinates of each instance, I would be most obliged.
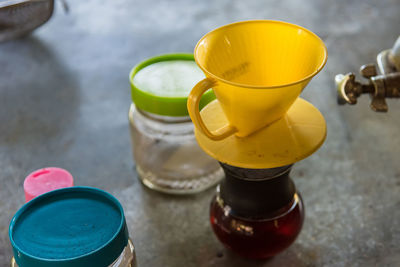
(386, 84)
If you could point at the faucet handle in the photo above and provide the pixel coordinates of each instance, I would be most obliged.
(378, 102)
(384, 86)
(347, 89)
(368, 71)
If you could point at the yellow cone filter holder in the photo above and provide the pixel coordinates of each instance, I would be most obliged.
(257, 69)
(299, 133)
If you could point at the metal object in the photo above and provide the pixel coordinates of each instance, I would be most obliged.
(379, 86)
(20, 17)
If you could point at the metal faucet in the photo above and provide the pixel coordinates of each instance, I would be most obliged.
(379, 86)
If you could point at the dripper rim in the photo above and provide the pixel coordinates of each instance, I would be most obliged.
(320, 67)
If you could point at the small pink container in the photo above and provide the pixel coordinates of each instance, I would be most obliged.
(45, 180)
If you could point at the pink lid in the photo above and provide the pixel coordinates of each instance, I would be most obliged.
(45, 180)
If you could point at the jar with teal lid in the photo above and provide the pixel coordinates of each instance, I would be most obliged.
(71, 227)
(166, 153)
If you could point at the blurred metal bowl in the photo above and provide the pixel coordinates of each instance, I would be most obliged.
(20, 17)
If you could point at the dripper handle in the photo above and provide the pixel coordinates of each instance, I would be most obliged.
(193, 108)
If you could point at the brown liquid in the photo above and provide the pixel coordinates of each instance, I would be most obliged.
(258, 239)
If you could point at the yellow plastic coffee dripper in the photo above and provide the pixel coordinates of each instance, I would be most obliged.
(257, 69)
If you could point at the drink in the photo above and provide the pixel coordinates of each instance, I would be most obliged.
(257, 239)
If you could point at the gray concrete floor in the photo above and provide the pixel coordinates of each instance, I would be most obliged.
(64, 98)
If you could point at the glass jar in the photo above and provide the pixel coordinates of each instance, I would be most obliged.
(165, 150)
(71, 227)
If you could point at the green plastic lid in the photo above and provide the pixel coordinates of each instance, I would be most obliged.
(164, 103)
(70, 227)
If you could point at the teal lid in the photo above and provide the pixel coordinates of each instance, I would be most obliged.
(159, 104)
(69, 227)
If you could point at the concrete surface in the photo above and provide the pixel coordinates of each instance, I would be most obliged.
(64, 98)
